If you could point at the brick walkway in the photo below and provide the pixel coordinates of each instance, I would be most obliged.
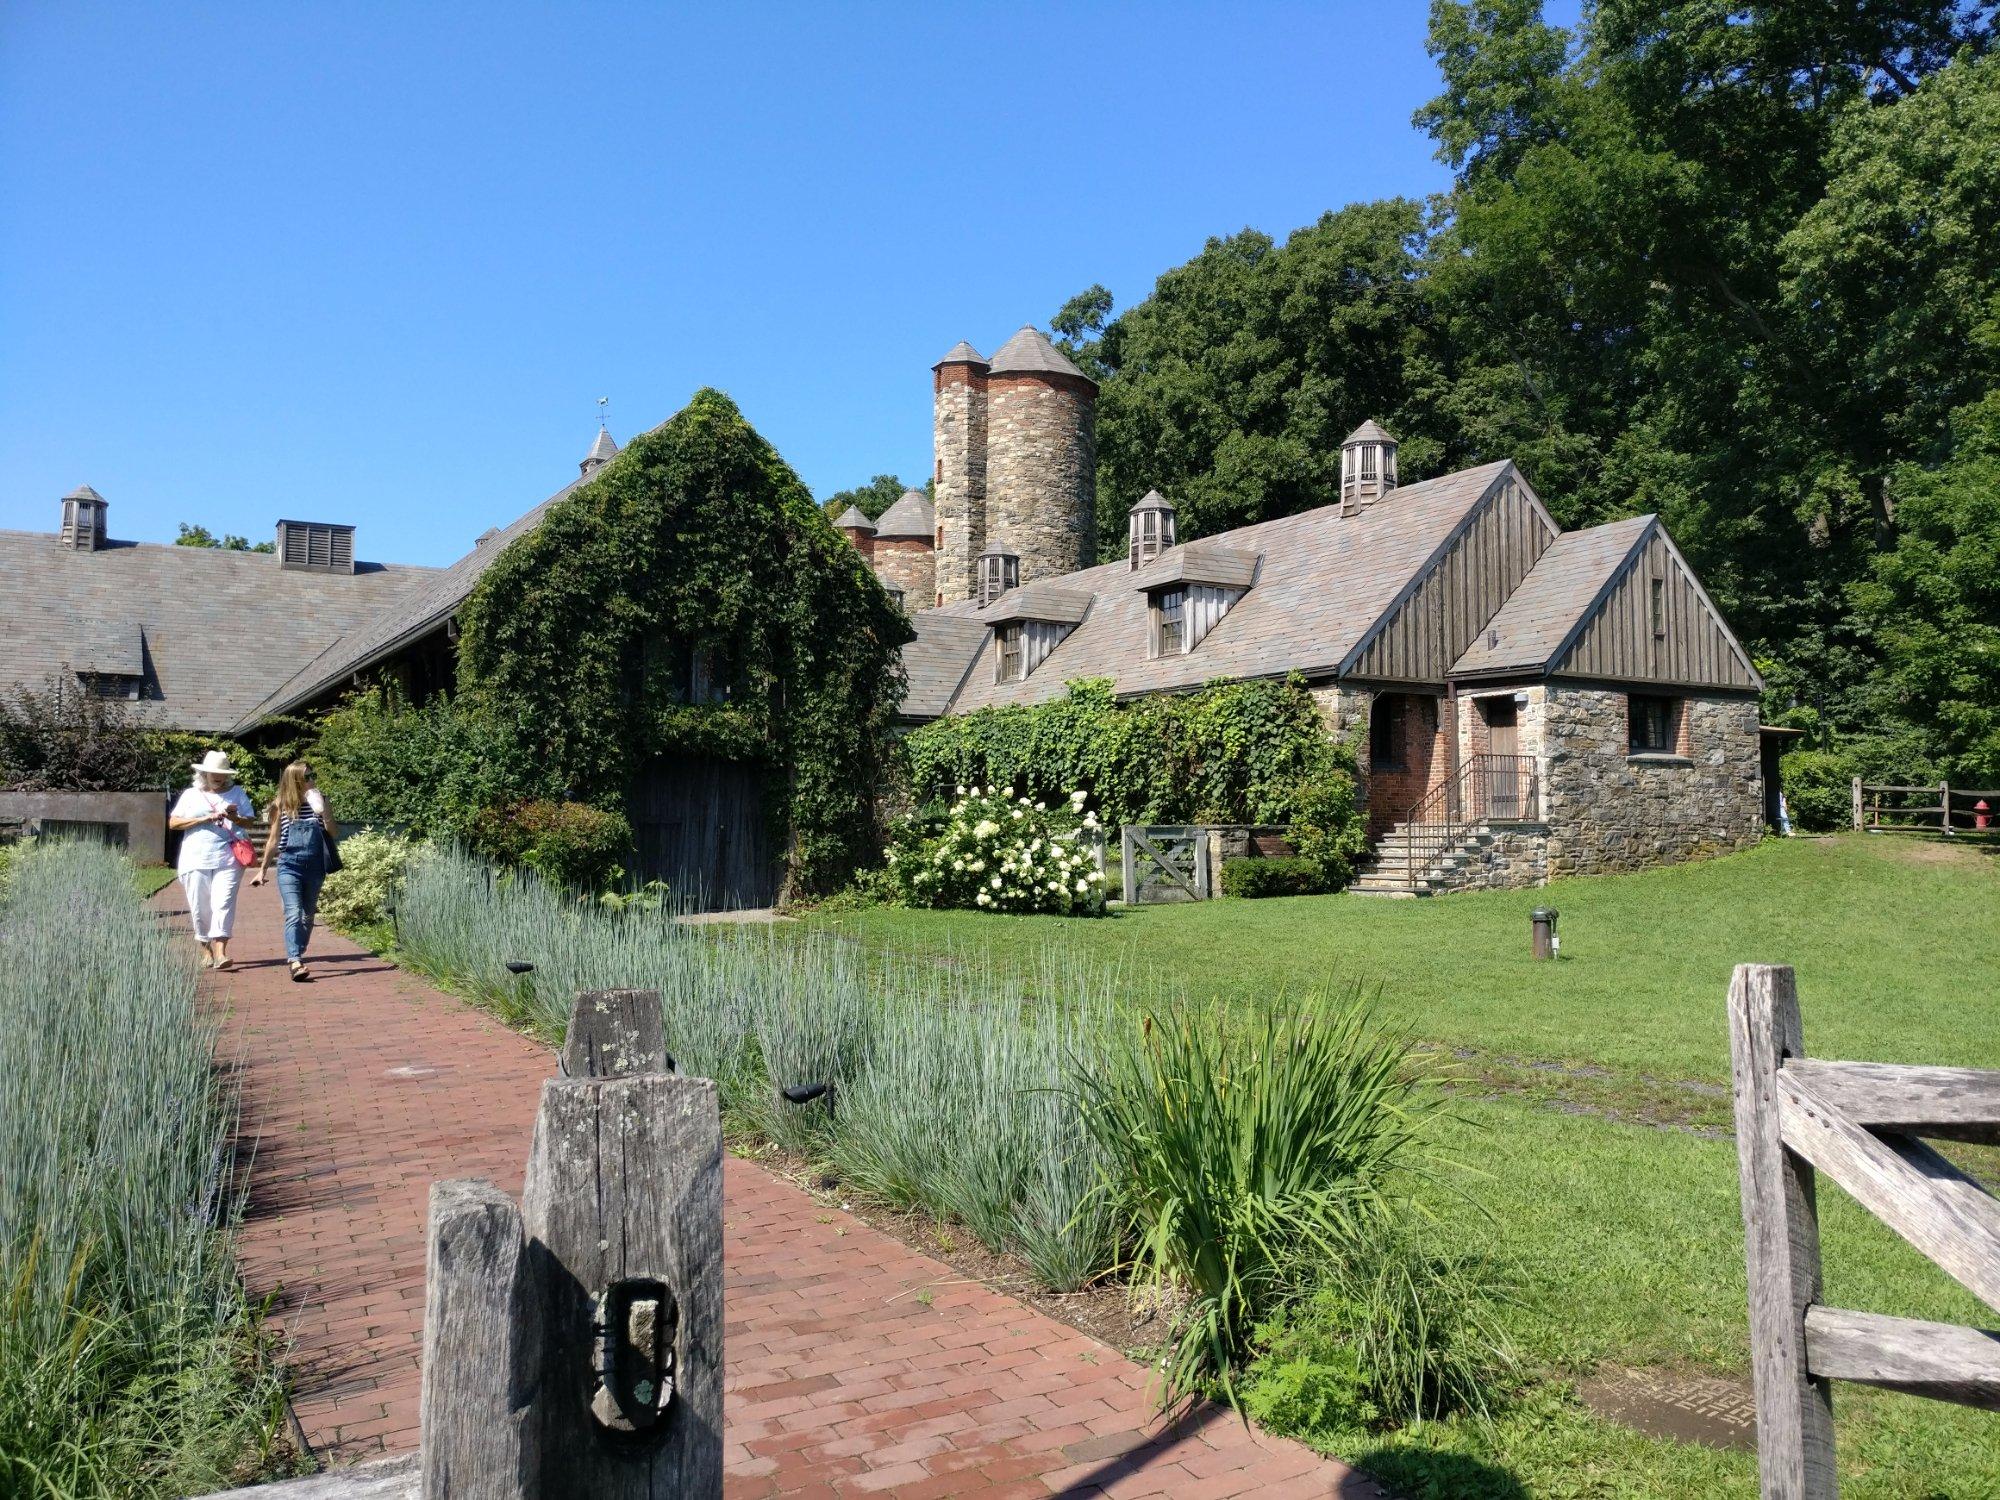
(854, 1364)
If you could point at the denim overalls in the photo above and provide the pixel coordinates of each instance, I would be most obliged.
(301, 872)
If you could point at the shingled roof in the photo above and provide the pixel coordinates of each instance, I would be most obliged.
(1566, 582)
(853, 519)
(1029, 352)
(911, 516)
(1325, 579)
(936, 662)
(216, 627)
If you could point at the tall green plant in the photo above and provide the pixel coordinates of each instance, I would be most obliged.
(1242, 1161)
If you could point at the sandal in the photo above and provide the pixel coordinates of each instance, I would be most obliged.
(220, 964)
(300, 974)
(207, 962)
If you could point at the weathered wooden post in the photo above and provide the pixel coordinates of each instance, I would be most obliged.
(1781, 1242)
(573, 1346)
(1857, 804)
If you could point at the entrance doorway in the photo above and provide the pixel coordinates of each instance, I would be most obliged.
(1500, 772)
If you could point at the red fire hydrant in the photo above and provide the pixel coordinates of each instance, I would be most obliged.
(1979, 812)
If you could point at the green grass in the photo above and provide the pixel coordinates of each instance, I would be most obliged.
(1628, 1236)
(150, 880)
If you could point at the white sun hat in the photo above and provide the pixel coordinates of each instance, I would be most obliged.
(215, 763)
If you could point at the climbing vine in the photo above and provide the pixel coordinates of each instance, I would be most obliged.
(693, 600)
(1240, 752)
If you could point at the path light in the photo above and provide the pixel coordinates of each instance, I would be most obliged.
(519, 966)
(805, 1093)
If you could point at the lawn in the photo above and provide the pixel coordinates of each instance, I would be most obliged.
(1627, 1235)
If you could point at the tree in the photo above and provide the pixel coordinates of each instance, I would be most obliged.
(200, 536)
(874, 497)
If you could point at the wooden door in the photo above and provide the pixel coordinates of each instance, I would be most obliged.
(699, 825)
(1501, 771)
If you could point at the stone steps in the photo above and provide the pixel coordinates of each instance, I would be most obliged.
(1388, 872)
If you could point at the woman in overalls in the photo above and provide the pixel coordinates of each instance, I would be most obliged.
(299, 829)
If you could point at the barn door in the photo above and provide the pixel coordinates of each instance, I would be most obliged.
(699, 825)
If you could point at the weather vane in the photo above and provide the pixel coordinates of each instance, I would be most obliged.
(602, 402)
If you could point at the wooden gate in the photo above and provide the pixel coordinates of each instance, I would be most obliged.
(1859, 1123)
(1165, 862)
(699, 825)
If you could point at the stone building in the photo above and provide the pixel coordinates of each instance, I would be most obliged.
(1523, 702)
(900, 546)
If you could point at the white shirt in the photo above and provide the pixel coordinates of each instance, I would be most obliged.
(206, 846)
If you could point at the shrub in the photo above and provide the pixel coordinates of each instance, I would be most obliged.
(1819, 789)
(123, 1334)
(57, 738)
(1271, 877)
(1328, 831)
(570, 844)
(429, 769)
(369, 878)
(998, 852)
(1238, 1163)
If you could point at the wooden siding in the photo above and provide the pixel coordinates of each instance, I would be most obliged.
(699, 825)
(1464, 589)
(1691, 648)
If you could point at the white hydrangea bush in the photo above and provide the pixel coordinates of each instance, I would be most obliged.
(1000, 852)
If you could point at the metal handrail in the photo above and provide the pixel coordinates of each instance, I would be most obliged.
(1487, 789)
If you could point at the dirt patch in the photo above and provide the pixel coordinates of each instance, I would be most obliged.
(1925, 847)
(1103, 1310)
(1712, 1410)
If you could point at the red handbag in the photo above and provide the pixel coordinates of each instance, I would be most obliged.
(240, 848)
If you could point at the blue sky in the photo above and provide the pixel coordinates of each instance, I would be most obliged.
(376, 263)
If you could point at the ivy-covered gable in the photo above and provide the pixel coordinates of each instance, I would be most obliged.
(693, 599)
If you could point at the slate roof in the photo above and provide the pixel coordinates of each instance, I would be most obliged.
(911, 516)
(961, 353)
(1048, 599)
(360, 645)
(603, 450)
(1208, 560)
(852, 519)
(1153, 500)
(84, 492)
(1564, 585)
(937, 660)
(1369, 431)
(1029, 352)
(1324, 581)
(219, 627)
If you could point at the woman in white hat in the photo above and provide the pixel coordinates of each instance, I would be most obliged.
(208, 816)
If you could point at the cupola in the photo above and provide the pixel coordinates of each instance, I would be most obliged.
(1151, 529)
(1367, 467)
(999, 571)
(601, 453)
(83, 519)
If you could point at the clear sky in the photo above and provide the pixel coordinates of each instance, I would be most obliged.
(375, 263)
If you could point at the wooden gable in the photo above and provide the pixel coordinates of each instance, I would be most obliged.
(1459, 589)
(1655, 623)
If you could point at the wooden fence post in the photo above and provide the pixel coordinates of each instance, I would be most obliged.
(1944, 802)
(1781, 1242)
(614, 1034)
(1857, 804)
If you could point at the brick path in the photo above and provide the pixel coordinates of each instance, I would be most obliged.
(854, 1364)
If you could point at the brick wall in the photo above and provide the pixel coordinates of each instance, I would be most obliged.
(909, 564)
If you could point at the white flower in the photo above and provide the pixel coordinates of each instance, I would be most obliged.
(892, 856)
(1041, 807)
(984, 899)
(1077, 799)
(995, 882)
(958, 864)
(1017, 815)
(985, 828)
(977, 866)
(961, 791)
(1082, 887)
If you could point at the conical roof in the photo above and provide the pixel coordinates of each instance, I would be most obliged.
(911, 516)
(852, 519)
(1367, 432)
(603, 450)
(961, 353)
(1154, 500)
(84, 492)
(1029, 352)
(997, 548)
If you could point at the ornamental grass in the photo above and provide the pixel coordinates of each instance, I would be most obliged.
(126, 1365)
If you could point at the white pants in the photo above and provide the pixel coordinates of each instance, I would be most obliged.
(212, 900)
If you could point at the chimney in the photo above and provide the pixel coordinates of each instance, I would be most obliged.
(1367, 467)
(601, 453)
(1151, 529)
(83, 519)
(316, 547)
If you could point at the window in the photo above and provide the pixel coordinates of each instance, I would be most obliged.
(895, 594)
(1385, 733)
(1170, 622)
(112, 684)
(1659, 609)
(1009, 640)
(1653, 722)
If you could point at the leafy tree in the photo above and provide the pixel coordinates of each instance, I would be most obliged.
(874, 497)
(200, 536)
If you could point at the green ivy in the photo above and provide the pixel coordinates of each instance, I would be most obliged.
(1234, 752)
(697, 538)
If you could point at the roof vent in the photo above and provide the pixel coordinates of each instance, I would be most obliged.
(316, 546)
(1152, 529)
(1367, 467)
(83, 519)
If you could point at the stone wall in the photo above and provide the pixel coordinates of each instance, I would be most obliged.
(909, 564)
(139, 818)
(1609, 810)
(958, 435)
(1041, 471)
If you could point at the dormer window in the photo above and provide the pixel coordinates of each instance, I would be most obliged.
(1170, 622)
(1030, 624)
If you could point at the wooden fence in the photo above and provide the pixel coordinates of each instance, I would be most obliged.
(1858, 1123)
(1164, 862)
(573, 1341)
(1941, 807)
